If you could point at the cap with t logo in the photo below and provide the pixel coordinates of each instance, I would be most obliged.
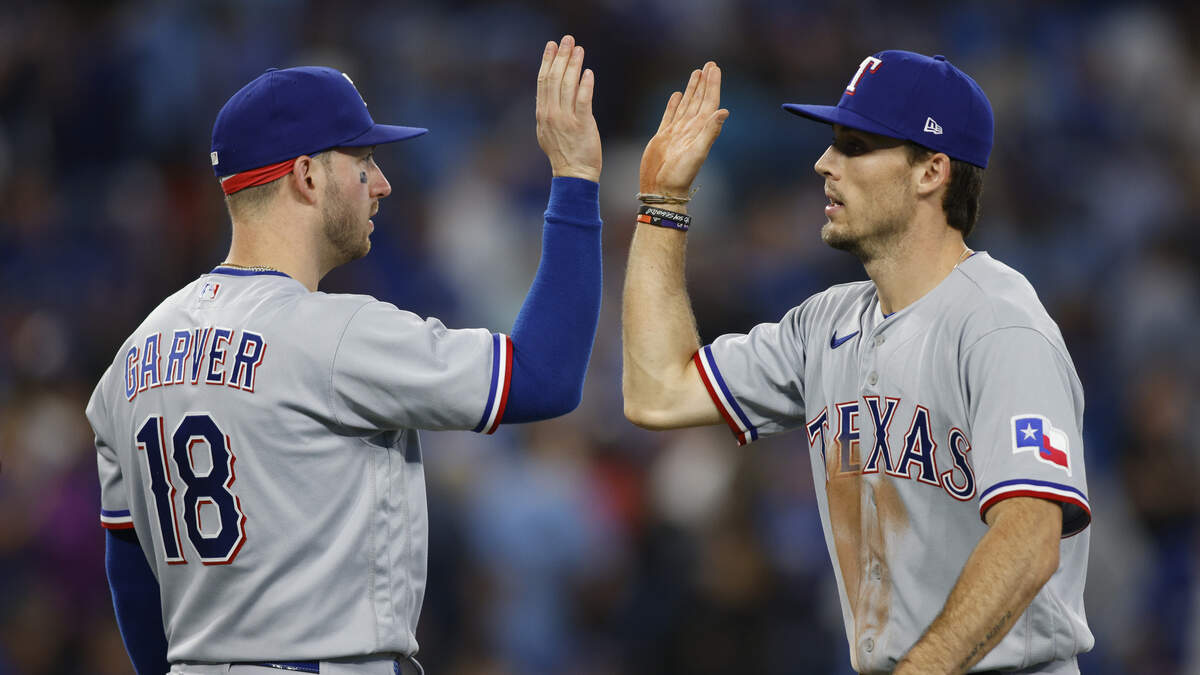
(917, 98)
(283, 114)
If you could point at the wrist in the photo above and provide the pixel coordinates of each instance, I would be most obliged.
(574, 200)
(653, 215)
(669, 200)
(581, 173)
(676, 208)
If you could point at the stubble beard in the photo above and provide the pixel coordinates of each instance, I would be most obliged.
(872, 240)
(346, 236)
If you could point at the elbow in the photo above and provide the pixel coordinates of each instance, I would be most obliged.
(566, 402)
(641, 409)
(557, 400)
(635, 411)
(537, 394)
(635, 415)
(646, 417)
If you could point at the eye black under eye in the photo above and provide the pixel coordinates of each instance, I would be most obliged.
(850, 146)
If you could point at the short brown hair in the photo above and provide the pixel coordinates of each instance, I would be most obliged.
(961, 201)
(250, 202)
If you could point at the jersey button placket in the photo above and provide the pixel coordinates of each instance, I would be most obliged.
(869, 360)
(873, 345)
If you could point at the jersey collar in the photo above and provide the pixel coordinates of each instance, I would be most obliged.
(239, 272)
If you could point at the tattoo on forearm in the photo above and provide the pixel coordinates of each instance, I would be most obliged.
(995, 630)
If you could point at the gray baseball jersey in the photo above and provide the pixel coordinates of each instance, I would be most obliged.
(260, 440)
(916, 423)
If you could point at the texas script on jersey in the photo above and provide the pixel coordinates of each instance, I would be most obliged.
(917, 447)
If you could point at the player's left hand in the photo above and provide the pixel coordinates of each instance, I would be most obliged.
(690, 125)
(566, 129)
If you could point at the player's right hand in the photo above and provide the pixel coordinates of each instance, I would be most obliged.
(566, 130)
(690, 125)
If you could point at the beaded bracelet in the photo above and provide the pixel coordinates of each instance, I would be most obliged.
(664, 218)
(651, 198)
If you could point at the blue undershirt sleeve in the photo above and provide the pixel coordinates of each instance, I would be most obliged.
(136, 602)
(553, 334)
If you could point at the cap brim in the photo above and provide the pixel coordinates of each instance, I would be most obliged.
(384, 133)
(830, 114)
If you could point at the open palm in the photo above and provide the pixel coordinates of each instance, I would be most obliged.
(566, 128)
(690, 125)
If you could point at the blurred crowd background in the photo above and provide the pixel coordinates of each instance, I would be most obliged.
(585, 545)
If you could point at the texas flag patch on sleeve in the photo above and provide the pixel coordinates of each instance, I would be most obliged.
(1034, 433)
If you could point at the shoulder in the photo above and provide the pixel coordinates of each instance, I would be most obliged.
(834, 306)
(836, 301)
(997, 297)
(332, 309)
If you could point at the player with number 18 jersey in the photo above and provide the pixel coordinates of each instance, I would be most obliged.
(257, 440)
(173, 415)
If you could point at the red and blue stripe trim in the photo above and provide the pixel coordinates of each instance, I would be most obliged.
(1044, 489)
(737, 420)
(116, 519)
(293, 666)
(493, 410)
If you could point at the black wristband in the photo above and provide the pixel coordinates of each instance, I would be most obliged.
(664, 218)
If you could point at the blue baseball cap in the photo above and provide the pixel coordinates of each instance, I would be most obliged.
(283, 114)
(917, 98)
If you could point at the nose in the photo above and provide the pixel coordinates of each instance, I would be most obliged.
(824, 164)
(380, 187)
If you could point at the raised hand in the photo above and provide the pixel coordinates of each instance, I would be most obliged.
(566, 130)
(690, 125)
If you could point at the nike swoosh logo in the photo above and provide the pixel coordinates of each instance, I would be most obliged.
(835, 341)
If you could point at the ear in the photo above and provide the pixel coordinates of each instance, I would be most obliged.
(305, 178)
(932, 173)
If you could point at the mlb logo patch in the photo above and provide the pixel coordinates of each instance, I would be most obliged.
(1034, 433)
(209, 290)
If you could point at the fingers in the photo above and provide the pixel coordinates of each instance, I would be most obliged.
(712, 92)
(583, 98)
(699, 99)
(693, 108)
(557, 67)
(543, 77)
(689, 93)
(570, 81)
(712, 127)
(547, 58)
(669, 113)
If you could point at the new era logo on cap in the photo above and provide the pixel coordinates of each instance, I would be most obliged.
(911, 96)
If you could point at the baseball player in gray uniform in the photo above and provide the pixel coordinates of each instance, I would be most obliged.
(260, 469)
(937, 401)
